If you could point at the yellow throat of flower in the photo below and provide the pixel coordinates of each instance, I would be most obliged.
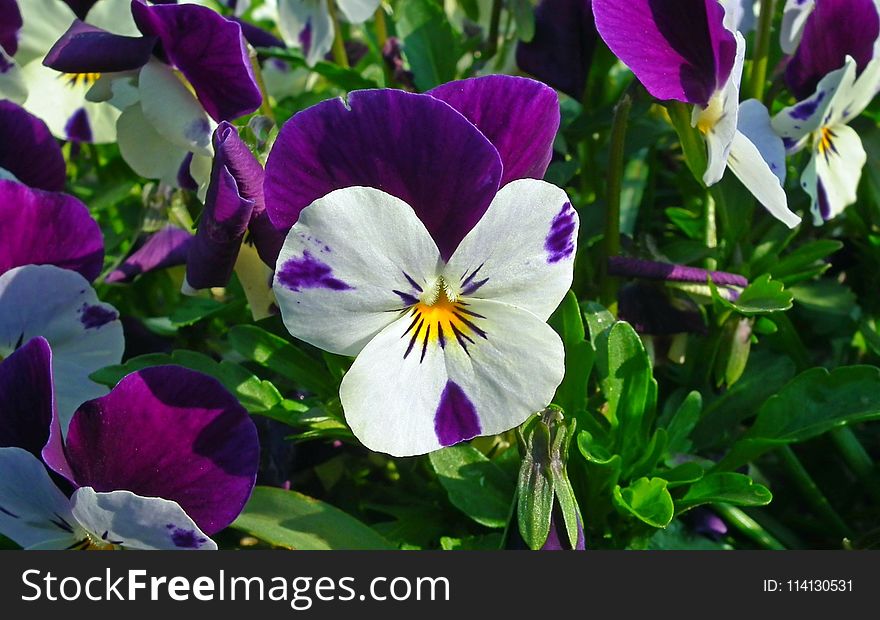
(75, 80)
(711, 114)
(441, 316)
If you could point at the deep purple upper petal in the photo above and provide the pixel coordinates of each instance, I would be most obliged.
(562, 49)
(677, 49)
(27, 397)
(173, 433)
(835, 29)
(209, 50)
(256, 36)
(28, 150)
(414, 147)
(87, 49)
(47, 228)
(167, 248)
(519, 116)
(10, 24)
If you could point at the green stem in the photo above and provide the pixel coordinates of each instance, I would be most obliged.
(748, 527)
(762, 48)
(710, 229)
(266, 106)
(857, 459)
(339, 54)
(812, 493)
(494, 25)
(691, 143)
(615, 186)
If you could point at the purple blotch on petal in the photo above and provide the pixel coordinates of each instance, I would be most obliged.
(308, 272)
(456, 418)
(560, 240)
(186, 539)
(93, 317)
(805, 110)
(78, 128)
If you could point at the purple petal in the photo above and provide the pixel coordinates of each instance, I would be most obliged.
(256, 36)
(10, 24)
(678, 50)
(519, 116)
(47, 228)
(836, 29)
(209, 50)
(172, 433)
(78, 128)
(87, 49)
(80, 7)
(414, 147)
(562, 49)
(456, 419)
(167, 248)
(27, 397)
(28, 149)
(651, 270)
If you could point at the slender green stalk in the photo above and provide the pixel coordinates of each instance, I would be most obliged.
(762, 49)
(710, 229)
(339, 54)
(494, 26)
(748, 527)
(812, 493)
(265, 107)
(857, 459)
(381, 27)
(615, 186)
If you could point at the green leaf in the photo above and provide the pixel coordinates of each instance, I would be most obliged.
(487, 542)
(682, 423)
(762, 296)
(429, 42)
(826, 296)
(282, 357)
(805, 262)
(476, 485)
(571, 395)
(724, 487)
(524, 18)
(347, 79)
(686, 473)
(678, 537)
(646, 499)
(191, 310)
(814, 403)
(295, 521)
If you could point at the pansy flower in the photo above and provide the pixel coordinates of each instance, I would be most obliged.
(28, 152)
(50, 249)
(832, 177)
(189, 68)
(308, 24)
(165, 460)
(687, 51)
(422, 244)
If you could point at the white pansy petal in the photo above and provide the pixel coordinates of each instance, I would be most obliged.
(306, 24)
(864, 89)
(794, 19)
(60, 100)
(113, 16)
(44, 21)
(134, 522)
(754, 124)
(747, 163)
(145, 151)
(357, 11)
(173, 110)
(61, 306)
(352, 261)
(719, 120)
(450, 372)
(12, 84)
(832, 177)
(522, 250)
(805, 117)
(33, 511)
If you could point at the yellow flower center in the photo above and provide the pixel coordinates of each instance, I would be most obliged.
(75, 80)
(711, 114)
(824, 139)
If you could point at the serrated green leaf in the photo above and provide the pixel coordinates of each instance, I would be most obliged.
(762, 296)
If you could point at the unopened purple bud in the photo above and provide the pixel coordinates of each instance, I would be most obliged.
(623, 266)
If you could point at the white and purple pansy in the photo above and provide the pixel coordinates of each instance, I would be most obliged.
(422, 243)
(50, 250)
(689, 51)
(832, 177)
(188, 69)
(164, 461)
(308, 24)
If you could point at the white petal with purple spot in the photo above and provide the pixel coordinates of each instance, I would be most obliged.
(307, 25)
(832, 177)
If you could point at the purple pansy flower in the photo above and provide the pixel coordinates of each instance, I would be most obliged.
(562, 49)
(28, 152)
(689, 51)
(189, 68)
(10, 24)
(50, 248)
(308, 25)
(405, 252)
(168, 247)
(164, 461)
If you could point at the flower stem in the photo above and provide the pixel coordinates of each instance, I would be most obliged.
(710, 228)
(747, 526)
(266, 105)
(494, 26)
(339, 54)
(857, 459)
(811, 492)
(381, 27)
(615, 186)
(762, 48)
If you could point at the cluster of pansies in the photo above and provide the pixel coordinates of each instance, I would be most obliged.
(406, 227)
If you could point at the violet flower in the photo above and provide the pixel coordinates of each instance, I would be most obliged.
(308, 25)
(165, 460)
(692, 279)
(405, 253)
(28, 152)
(168, 247)
(687, 51)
